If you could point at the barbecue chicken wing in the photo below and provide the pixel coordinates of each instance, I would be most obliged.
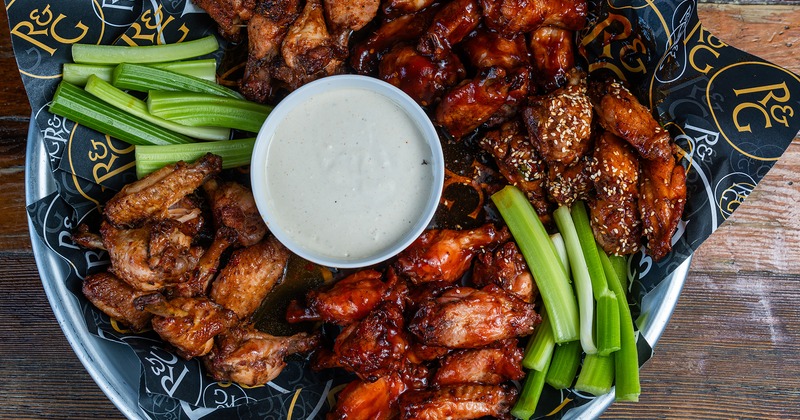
(492, 365)
(367, 54)
(189, 324)
(233, 206)
(422, 78)
(614, 213)
(365, 400)
(662, 195)
(470, 401)
(250, 357)
(450, 25)
(115, 298)
(621, 113)
(230, 15)
(152, 196)
(567, 184)
(489, 49)
(553, 56)
(445, 255)
(393, 8)
(463, 317)
(249, 276)
(505, 267)
(513, 17)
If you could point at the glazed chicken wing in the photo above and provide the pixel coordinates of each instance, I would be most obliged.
(567, 184)
(621, 113)
(422, 78)
(614, 213)
(560, 123)
(505, 267)
(152, 196)
(250, 357)
(488, 49)
(513, 17)
(230, 15)
(115, 298)
(662, 195)
(492, 365)
(189, 324)
(393, 8)
(450, 25)
(366, 54)
(470, 401)
(233, 206)
(365, 400)
(249, 276)
(445, 255)
(463, 317)
(553, 56)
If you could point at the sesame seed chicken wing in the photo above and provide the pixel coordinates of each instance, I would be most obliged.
(567, 184)
(662, 196)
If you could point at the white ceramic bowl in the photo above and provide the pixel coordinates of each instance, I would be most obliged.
(332, 216)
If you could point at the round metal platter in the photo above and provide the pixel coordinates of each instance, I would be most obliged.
(115, 368)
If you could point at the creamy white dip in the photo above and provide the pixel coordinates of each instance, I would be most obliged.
(348, 174)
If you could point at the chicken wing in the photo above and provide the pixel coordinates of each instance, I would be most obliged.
(567, 184)
(614, 213)
(662, 196)
(492, 365)
(152, 196)
(422, 78)
(115, 298)
(365, 400)
(170, 249)
(233, 206)
(367, 54)
(230, 15)
(488, 49)
(450, 25)
(350, 15)
(250, 357)
(553, 56)
(394, 8)
(621, 113)
(189, 324)
(514, 17)
(463, 317)
(249, 276)
(445, 255)
(505, 267)
(560, 123)
(458, 402)
(196, 282)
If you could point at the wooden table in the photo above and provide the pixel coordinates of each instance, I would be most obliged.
(732, 349)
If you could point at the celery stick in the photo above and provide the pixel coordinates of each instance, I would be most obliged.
(544, 263)
(142, 78)
(531, 392)
(626, 359)
(234, 153)
(134, 106)
(78, 74)
(580, 275)
(607, 323)
(540, 346)
(199, 109)
(620, 264)
(597, 374)
(561, 249)
(564, 365)
(115, 54)
(205, 69)
(78, 105)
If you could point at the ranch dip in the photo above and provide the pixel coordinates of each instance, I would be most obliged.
(348, 174)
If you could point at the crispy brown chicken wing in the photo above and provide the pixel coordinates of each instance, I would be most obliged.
(250, 357)
(553, 56)
(365, 400)
(463, 317)
(196, 282)
(505, 267)
(249, 276)
(621, 113)
(233, 206)
(115, 298)
(458, 402)
(513, 17)
(350, 15)
(488, 49)
(422, 78)
(445, 255)
(450, 25)
(230, 15)
(189, 324)
(662, 195)
(492, 365)
(170, 249)
(152, 196)
(614, 213)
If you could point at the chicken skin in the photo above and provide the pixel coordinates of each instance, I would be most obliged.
(233, 206)
(505, 267)
(250, 357)
(365, 400)
(152, 196)
(422, 78)
(614, 213)
(470, 401)
(514, 17)
(489, 49)
(445, 255)
(662, 196)
(115, 298)
(621, 113)
(491, 365)
(463, 317)
(249, 276)
(552, 55)
(189, 324)
(450, 25)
